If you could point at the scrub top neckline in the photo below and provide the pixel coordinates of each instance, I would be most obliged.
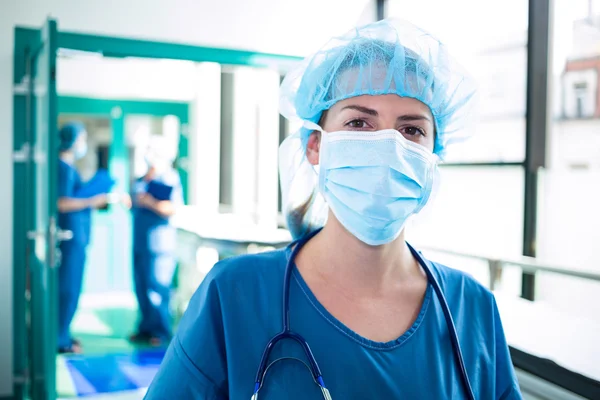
(371, 344)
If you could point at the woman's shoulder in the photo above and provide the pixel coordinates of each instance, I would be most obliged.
(233, 286)
(467, 298)
(65, 167)
(248, 268)
(455, 282)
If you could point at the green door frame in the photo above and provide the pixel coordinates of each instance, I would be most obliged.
(25, 45)
(34, 224)
(26, 41)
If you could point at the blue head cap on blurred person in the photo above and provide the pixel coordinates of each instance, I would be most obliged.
(68, 134)
(387, 57)
(161, 153)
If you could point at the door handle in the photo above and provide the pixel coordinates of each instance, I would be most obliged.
(54, 236)
(58, 235)
(61, 235)
(34, 235)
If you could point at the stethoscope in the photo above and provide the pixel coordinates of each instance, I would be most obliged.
(287, 333)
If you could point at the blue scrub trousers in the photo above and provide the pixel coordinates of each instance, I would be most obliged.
(70, 281)
(153, 277)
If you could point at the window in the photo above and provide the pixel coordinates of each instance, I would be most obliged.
(568, 235)
(580, 98)
(579, 84)
(496, 57)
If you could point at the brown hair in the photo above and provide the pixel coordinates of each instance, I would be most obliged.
(295, 217)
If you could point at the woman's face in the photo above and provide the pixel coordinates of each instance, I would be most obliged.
(411, 118)
(81, 140)
(79, 148)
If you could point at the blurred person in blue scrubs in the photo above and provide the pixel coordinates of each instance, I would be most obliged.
(380, 106)
(154, 241)
(74, 214)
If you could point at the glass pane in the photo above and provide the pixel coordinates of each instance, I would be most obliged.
(476, 211)
(569, 191)
(477, 268)
(495, 53)
(568, 230)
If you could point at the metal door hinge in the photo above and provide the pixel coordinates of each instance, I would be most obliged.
(22, 155)
(26, 154)
(22, 88)
(54, 235)
(185, 130)
(183, 163)
(34, 235)
(20, 378)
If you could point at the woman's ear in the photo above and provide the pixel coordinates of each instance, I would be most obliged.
(312, 147)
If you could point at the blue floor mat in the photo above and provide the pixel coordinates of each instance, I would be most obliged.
(114, 372)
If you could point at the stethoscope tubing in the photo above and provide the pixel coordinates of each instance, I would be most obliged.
(287, 333)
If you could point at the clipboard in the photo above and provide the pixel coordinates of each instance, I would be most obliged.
(159, 191)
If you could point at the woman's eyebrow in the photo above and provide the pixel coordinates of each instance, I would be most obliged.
(413, 117)
(362, 109)
(370, 111)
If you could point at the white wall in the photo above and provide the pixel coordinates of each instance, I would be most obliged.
(255, 142)
(263, 25)
(268, 146)
(126, 78)
(205, 138)
(6, 203)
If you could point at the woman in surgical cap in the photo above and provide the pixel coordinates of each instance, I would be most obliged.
(156, 197)
(74, 215)
(350, 310)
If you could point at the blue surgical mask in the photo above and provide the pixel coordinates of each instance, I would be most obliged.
(374, 182)
(80, 150)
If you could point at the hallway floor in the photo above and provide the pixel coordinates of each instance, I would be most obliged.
(110, 364)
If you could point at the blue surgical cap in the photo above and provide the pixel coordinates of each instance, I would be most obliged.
(387, 57)
(69, 133)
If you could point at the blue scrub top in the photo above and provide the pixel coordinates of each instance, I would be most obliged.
(237, 310)
(78, 222)
(151, 232)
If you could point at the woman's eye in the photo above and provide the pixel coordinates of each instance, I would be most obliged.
(357, 124)
(412, 131)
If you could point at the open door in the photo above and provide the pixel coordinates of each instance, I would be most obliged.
(41, 188)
